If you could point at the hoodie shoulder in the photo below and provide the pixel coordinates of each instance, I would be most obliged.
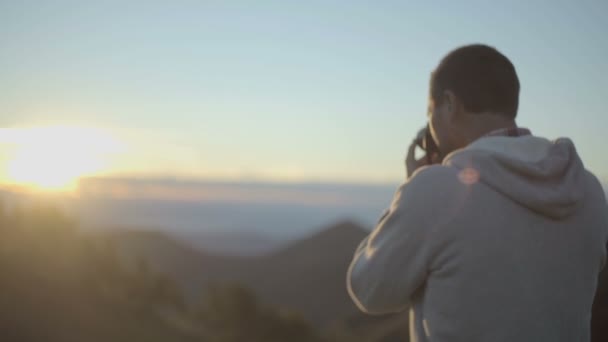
(546, 177)
(433, 198)
(435, 175)
(596, 185)
(437, 185)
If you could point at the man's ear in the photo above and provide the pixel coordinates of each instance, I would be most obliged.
(452, 105)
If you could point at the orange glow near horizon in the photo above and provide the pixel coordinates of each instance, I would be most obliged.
(53, 158)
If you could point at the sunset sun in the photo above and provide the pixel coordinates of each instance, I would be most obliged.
(54, 158)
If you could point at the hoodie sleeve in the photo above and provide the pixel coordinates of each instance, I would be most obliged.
(393, 261)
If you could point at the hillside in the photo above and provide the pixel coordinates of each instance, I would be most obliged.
(191, 268)
(238, 243)
(298, 277)
(307, 277)
(312, 271)
(60, 286)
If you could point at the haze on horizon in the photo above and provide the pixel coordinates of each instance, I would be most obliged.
(278, 91)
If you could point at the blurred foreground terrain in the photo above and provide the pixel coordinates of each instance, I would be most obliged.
(60, 283)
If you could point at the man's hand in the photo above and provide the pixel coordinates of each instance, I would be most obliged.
(411, 163)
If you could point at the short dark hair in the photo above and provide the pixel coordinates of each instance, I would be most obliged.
(481, 77)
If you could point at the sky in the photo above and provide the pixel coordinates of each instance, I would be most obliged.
(327, 91)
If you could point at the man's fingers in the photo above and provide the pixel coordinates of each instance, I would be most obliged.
(411, 152)
(411, 164)
(421, 133)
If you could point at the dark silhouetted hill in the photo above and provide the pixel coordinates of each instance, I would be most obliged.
(193, 269)
(308, 276)
(238, 243)
(57, 285)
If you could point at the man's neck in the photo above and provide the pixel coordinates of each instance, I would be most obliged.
(486, 123)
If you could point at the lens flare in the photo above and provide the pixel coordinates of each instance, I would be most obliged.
(468, 176)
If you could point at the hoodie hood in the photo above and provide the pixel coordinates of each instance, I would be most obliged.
(542, 175)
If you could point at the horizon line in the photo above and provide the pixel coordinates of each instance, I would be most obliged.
(184, 179)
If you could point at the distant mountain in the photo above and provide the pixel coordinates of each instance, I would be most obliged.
(235, 243)
(308, 276)
(191, 268)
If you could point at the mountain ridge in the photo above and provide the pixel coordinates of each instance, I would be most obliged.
(304, 273)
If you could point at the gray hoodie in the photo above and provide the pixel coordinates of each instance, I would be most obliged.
(502, 242)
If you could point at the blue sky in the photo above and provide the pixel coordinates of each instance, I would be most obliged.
(315, 90)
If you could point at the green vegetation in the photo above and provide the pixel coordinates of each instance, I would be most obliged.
(59, 284)
(232, 313)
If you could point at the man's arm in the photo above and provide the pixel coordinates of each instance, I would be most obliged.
(393, 261)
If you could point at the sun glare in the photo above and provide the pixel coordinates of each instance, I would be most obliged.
(54, 158)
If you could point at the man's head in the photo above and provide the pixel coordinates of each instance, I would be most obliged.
(473, 91)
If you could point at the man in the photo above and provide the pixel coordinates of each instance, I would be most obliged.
(502, 241)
